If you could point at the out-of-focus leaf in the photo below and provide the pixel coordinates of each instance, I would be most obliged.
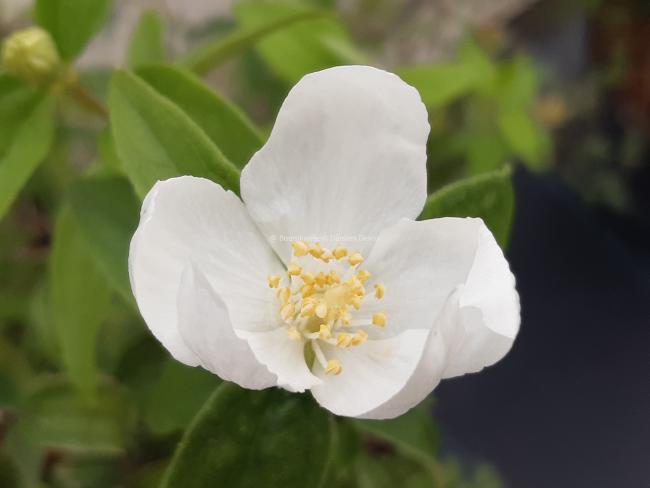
(107, 211)
(517, 83)
(26, 130)
(212, 54)
(156, 140)
(301, 48)
(525, 138)
(9, 473)
(489, 196)
(55, 416)
(386, 470)
(254, 438)
(485, 150)
(440, 84)
(71, 22)
(443, 83)
(413, 432)
(165, 411)
(227, 126)
(475, 58)
(147, 42)
(107, 153)
(14, 374)
(80, 299)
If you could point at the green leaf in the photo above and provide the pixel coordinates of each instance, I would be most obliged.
(80, 300)
(413, 432)
(156, 140)
(301, 48)
(485, 149)
(54, 416)
(147, 42)
(441, 84)
(214, 53)
(226, 126)
(387, 470)
(14, 373)
(250, 438)
(525, 138)
(107, 211)
(71, 22)
(164, 413)
(26, 132)
(489, 196)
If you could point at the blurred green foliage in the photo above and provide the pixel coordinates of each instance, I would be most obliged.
(87, 396)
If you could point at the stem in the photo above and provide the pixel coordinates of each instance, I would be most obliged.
(85, 99)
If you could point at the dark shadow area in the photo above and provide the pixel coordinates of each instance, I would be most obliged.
(570, 405)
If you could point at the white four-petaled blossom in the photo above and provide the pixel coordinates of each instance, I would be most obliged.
(373, 310)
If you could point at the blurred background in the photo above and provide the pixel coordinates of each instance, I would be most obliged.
(557, 90)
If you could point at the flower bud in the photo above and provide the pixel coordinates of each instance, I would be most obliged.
(30, 55)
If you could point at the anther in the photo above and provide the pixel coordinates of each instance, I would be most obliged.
(294, 269)
(333, 367)
(379, 319)
(274, 281)
(300, 248)
(307, 278)
(287, 312)
(340, 252)
(380, 289)
(355, 258)
(363, 275)
(284, 294)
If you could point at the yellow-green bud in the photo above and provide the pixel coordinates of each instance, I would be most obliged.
(30, 55)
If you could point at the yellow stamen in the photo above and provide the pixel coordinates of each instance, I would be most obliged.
(380, 289)
(284, 294)
(316, 250)
(327, 255)
(307, 291)
(294, 269)
(359, 338)
(321, 310)
(363, 275)
(340, 252)
(288, 312)
(333, 277)
(379, 319)
(307, 278)
(325, 332)
(333, 367)
(343, 339)
(355, 258)
(321, 279)
(293, 334)
(345, 317)
(308, 310)
(274, 281)
(300, 248)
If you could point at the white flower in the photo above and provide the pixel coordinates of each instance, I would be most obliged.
(324, 261)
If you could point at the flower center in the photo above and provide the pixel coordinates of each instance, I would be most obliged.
(321, 300)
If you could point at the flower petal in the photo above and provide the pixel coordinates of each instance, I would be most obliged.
(489, 311)
(194, 220)
(428, 371)
(372, 374)
(283, 357)
(423, 265)
(346, 158)
(205, 326)
(420, 264)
